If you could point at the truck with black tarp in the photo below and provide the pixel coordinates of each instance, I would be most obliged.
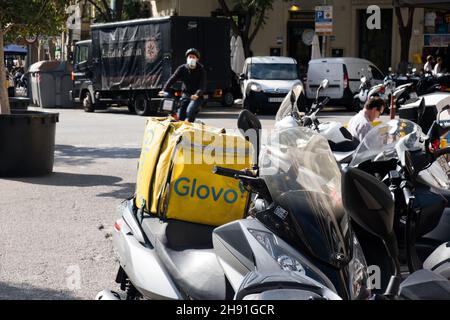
(128, 62)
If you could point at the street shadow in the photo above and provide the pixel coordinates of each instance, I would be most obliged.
(71, 155)
(65, 179)
(125, 191)
(27, 292)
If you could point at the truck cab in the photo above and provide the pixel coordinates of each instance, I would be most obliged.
(82, 75)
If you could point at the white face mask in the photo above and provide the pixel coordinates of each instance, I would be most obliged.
(191, 62)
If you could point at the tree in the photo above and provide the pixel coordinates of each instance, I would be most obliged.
(122, 9)
(254, 12)
(24, 18)
(405, 36)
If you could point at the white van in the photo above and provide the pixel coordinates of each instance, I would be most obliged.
(265, 81)
(344, 75)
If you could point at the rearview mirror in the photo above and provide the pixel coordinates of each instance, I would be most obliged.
(325, 83)
(420, 110)
(250, 127)
(369, 202)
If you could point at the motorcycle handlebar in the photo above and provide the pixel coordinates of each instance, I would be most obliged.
(226, 172)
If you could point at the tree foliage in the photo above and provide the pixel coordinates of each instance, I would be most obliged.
(26, 18)
(254, 13)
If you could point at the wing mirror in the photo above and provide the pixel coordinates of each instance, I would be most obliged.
(325, 83)
(242, 77)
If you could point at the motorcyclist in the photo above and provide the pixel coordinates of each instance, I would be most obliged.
(193, 76)
(360, 124)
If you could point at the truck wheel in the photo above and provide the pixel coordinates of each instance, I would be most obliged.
(88, 106)
(141, 105)
(131, 109)
(228, 99)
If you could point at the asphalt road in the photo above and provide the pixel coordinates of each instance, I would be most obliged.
(56, 230)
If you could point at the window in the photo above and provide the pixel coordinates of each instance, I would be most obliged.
(377, 75)
(275, 71)
(82, 54)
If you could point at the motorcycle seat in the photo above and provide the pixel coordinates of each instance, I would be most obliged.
(186, 250)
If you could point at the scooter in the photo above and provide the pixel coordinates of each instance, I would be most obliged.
(270, 254)
(341, 142)
(297, 243)
(395, 154)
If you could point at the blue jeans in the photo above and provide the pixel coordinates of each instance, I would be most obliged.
(189, 108)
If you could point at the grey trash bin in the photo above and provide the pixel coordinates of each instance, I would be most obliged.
(50, 84)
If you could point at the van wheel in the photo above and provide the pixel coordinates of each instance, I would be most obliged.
(88, 106)
(141, 105)
(228, 99)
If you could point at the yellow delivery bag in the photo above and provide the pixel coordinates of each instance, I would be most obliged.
(175, 178)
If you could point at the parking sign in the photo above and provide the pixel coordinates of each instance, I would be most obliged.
(324, 20)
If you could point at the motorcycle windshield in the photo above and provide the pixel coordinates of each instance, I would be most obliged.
(383, 142)
(286, 106)
(304, 179)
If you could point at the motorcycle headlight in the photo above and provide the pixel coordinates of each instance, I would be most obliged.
(285, 260)
(358, 273)
(255, 87)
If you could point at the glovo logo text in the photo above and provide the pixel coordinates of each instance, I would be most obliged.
(186, 187)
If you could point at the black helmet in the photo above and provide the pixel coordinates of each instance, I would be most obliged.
(193, 51)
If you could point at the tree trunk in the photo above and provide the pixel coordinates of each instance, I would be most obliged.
(4, 100)
(119, 9)
(405, 36)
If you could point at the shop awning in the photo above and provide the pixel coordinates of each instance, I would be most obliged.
(432, 4)
(15, 49)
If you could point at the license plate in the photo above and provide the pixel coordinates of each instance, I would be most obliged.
(276, 99)
(167, 105)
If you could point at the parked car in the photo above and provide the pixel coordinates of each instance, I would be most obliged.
(265, 81)
(344, 75)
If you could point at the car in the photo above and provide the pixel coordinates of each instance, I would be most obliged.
(344, 75)
(266, 80)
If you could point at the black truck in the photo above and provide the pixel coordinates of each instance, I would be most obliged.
(128, 62)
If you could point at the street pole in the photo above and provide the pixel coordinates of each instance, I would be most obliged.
(324, 38)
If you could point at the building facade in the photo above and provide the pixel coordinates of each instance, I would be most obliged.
(289, 32)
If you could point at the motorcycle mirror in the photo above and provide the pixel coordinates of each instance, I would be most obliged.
(325, 83)
(250, 127)
(390, 69)
(369, 202)
(363, 79)
(414, 70)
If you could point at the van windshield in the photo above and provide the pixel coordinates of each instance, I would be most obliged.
(273, 71)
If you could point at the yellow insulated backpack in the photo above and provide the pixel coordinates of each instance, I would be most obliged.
(175, 178)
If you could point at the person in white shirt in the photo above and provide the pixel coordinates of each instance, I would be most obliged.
(361, 123)
(428, 67)
(438, 67)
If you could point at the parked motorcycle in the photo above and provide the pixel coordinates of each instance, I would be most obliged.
(341, 142)
(396, 154)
